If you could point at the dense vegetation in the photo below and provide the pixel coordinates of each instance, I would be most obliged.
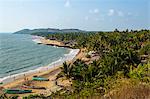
(46, 31)
(124, 60)
(123, 55)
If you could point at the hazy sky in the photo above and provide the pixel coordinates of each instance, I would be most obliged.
(81, 14)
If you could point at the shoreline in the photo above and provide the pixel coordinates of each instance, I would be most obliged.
(51, 42)
(7, 81)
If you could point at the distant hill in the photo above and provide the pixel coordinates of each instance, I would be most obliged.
(47, 31)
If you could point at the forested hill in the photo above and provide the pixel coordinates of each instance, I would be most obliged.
(47, 31)
(120, 69)
(116, 65)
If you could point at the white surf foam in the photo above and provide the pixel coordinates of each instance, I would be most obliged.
(37, 39)
(67, 57)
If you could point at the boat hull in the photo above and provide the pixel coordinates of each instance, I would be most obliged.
(12, 91)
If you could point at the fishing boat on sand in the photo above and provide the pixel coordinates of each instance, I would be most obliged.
(16, 91)
(1, 83)
(33, 87)
(37, 78)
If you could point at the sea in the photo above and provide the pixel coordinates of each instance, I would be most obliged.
(19, 53)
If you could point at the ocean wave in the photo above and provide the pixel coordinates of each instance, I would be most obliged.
(22, 68)
(9, 51)
(67, 57)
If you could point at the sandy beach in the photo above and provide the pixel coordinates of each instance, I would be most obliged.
(47, 72)
(51, 42)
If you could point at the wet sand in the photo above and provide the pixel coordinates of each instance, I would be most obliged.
(51, 74)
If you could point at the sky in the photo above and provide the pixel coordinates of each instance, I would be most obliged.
(93, 15)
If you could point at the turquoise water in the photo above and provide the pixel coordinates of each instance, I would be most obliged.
(18, 53)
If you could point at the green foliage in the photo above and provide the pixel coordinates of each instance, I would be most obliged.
(37, 96)
(66, 70)
(4, 96)
(141, 72)
(120, 54)
(88, 56)
(145, 49)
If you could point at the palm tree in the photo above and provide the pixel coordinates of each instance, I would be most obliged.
(3, 96)
(66, 69)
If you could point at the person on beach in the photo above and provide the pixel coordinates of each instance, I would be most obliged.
(14, 77)
(56, 83)
(27, 79)
(24, 77)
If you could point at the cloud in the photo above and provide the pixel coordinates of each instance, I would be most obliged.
(94, 11)
(120, 13)
(86, 18)
(129, 14)
(97, 19)
(111, 12)
(67, 3)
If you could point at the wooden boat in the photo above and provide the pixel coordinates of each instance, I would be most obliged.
(36, 78)
(16, 91)
(33, 87)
